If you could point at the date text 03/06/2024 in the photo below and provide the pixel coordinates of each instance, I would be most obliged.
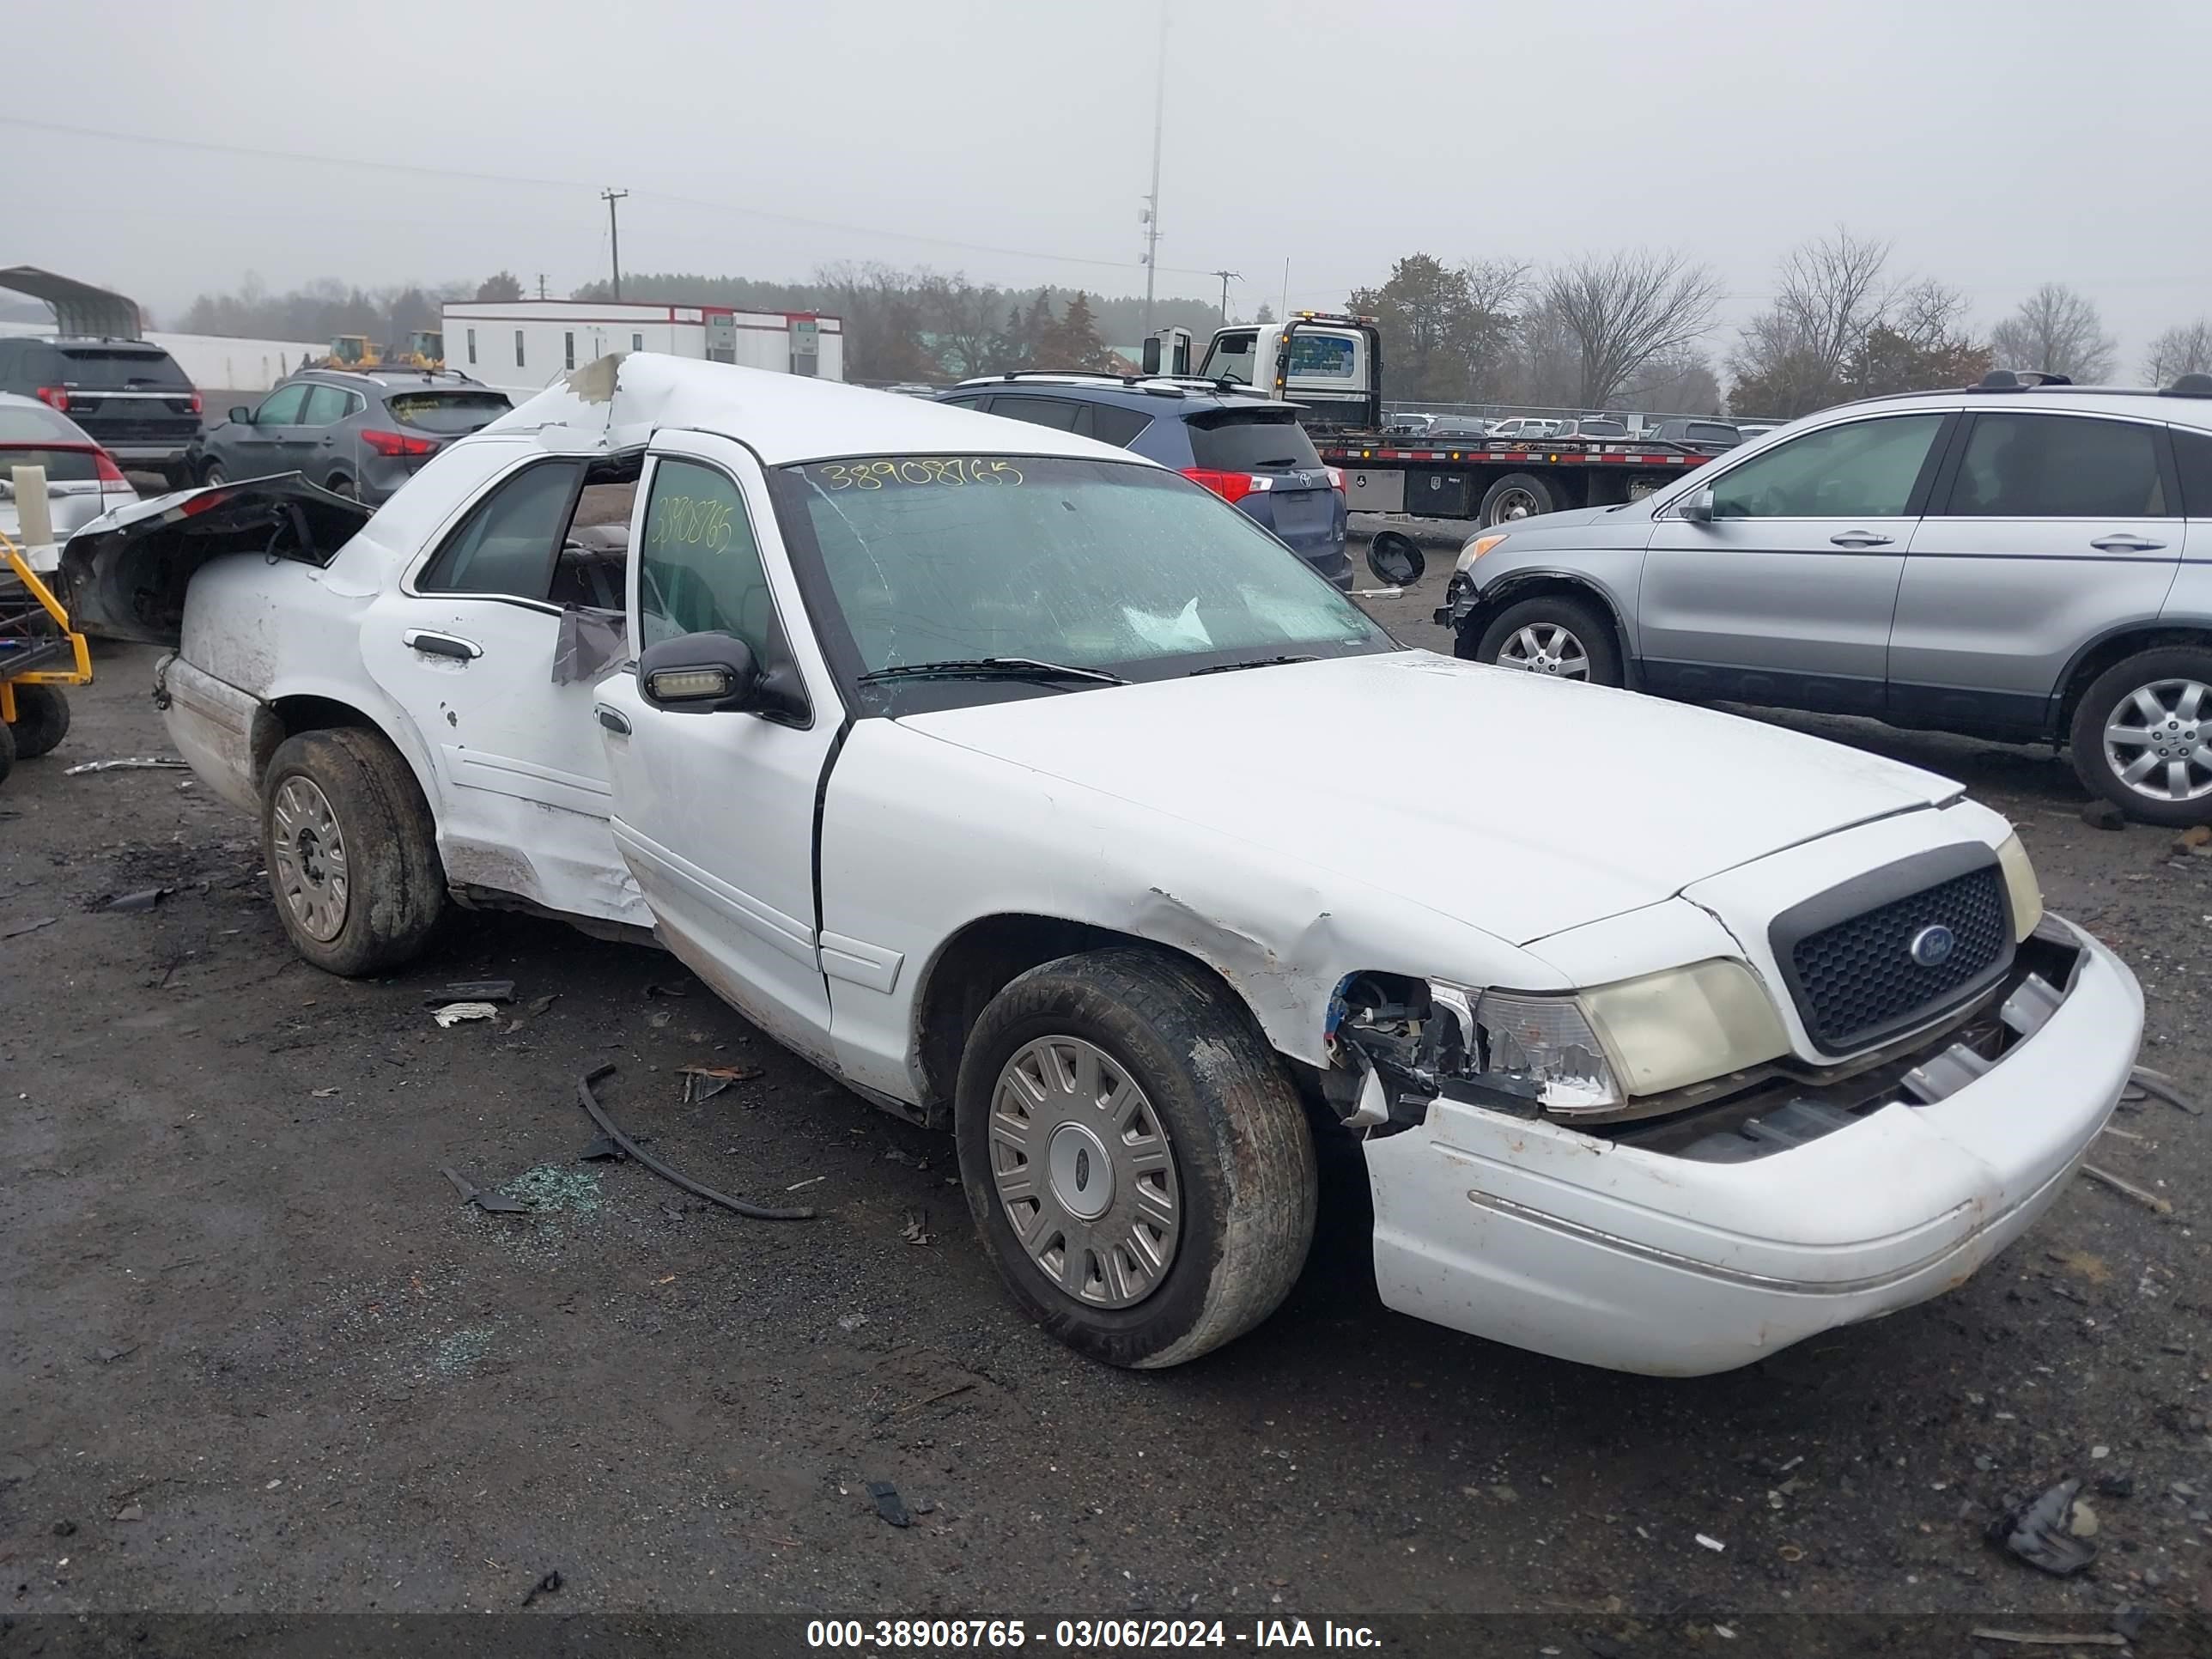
(1082, 1635)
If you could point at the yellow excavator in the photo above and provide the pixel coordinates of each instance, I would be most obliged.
(425, 350)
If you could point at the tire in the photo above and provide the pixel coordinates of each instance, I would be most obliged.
(214, 472)
(2112, 704)
(341, 485)
(179, 477)
(7, 751)
(1548, 635)
(1519, 495)
(42, 719)
(1235, 1174)
(354, 782)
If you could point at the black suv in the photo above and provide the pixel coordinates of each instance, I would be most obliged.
(1245, 447)
(128, 395)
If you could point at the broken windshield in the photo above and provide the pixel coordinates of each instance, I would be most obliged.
(1111, 566)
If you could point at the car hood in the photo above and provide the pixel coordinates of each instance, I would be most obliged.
(1521, 805)
(123, 576)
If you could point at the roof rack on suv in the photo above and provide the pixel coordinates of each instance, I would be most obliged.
(1159, 385)
(2192, 384)
(2019, 380)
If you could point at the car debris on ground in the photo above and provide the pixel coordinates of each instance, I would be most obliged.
(496, 1203)
(609, 1128)
(2050, 1532)
(130, 764)
(471, 990)
(144, 899)
(703, 1081)
(453, 1013)
(889, 1504)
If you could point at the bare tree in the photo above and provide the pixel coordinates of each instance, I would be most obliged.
(1623, 309)
(2057, 331)
(965, 319)
(2185, 348)
(1830, 295)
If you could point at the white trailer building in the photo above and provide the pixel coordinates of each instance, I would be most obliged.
(521, 346)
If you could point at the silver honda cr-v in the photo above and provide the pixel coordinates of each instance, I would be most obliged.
(2025, 560)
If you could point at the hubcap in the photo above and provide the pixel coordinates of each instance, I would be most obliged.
(1514, 504)
(1084, 1171)
(2158, 741)
(310, 859)
(1546, 649)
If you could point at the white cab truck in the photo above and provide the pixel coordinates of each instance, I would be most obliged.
(1033, 791)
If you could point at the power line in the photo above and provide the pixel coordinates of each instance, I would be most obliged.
(210, 147)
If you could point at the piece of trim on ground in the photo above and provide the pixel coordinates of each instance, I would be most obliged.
(613, 1131)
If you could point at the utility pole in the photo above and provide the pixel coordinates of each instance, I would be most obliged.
(1227, 278)
(614, 234)
(1152, 201)
(540, 284)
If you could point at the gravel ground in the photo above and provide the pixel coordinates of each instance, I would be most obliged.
(261, 1360)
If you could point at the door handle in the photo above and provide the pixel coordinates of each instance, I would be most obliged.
(613, 719)
(441, 645)
(2126, 542)
(1860, 538)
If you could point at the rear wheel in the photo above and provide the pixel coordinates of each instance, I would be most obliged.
(1519, 495)
(1554, 635)
(2142, 736)
(352, 851)
(1134, 1155)
(341, 485)
(42, 719)
(214, 473)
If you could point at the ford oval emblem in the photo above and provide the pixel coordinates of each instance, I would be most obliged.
(1931, 947)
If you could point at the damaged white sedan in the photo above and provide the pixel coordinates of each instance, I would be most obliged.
(1031, 791)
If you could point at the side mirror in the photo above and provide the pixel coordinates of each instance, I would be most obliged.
(699, 674)
(1698, 506)
(1396, 559)
(242, 415)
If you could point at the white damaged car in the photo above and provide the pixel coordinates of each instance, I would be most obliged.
(1031, 791)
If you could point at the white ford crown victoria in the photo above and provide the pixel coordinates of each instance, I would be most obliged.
(1030, 790)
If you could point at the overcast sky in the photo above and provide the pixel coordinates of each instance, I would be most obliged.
(1999, 145)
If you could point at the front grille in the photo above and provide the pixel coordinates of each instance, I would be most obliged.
(1857, 980)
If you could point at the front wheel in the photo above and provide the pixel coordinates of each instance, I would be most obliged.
(1553, 635)
(1135, 1156)
(352, 851)
(2142, 736)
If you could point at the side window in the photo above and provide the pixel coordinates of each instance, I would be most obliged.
(637, 342)
(281, 407)
(1054, 412)
(569, 349)
(1113, 425)
(1864, 470)
(473, 346)
(700, 569)
(2059, 466)
(327, 405)
(2192, 454)
(507, 543)
(518, 349)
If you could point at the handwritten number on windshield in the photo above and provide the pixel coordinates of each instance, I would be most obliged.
(952, 469)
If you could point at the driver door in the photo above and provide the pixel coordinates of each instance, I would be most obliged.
(1785, 597)
(266, 444)
(714, 810)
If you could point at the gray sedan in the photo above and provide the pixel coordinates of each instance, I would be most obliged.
(358, 435)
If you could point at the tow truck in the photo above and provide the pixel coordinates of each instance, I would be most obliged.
(1331, 365)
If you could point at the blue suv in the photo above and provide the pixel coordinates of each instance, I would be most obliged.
(1246, 448)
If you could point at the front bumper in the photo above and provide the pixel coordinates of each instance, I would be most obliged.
(1588, 1249)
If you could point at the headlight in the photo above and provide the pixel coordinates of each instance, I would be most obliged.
(2021, 888)
(1585, 1054)
(1475, 549)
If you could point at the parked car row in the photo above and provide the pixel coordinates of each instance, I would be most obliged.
(2026, 562)
(1708, 434)
(974, 759)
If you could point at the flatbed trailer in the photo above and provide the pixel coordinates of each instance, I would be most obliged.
(1331, 365)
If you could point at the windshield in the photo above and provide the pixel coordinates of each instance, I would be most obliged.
(1230, 357)
(1091, 564)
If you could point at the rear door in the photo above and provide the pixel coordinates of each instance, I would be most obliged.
(2053, 528)
(1785, 597)
(322, 448)
(467, 643)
